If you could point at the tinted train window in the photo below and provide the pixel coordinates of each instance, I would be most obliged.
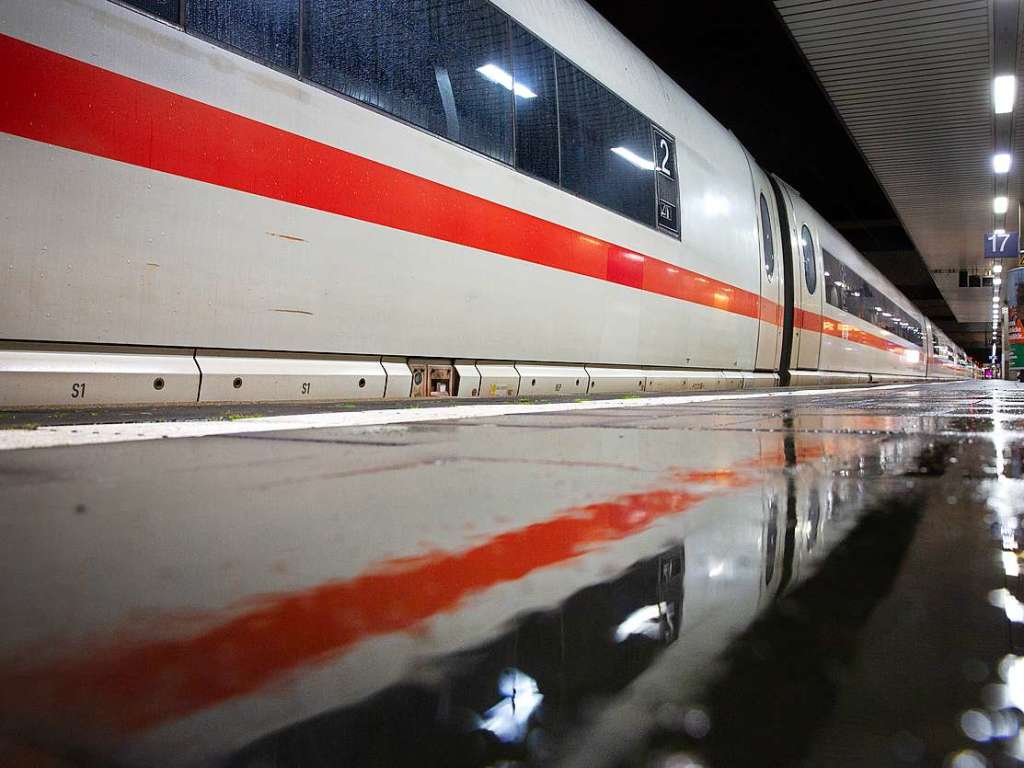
(267, 31)
(766, 235)
(606, 146)
(810, 267)
(444, 66)
(833, 280)
(533, 72)
(165, 9)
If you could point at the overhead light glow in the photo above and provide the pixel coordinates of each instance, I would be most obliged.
(1001, 162)
(995, 299)
(496, 74)
(997, 269)
(1004, 92)
(1000, 204)
(999, 231)
(997, 281)
(631, 157)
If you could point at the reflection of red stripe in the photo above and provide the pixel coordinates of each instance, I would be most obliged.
(131, 686)
(48, 97)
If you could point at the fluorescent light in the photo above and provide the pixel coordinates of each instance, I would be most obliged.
(998, 231)
(1001, 162)
(997, 269)
(878, 309)
(1004, 92)
(997, 281)
(496, 74)
(631, 157)
(1000, 204)
(995, 299)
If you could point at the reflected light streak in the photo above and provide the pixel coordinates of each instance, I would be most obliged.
(645, 622)
(509, 717)
(496, 74)
(632, 157)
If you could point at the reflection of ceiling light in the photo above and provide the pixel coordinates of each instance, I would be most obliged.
(878, 309)
(632, 157)
(1000, 204)
(1001, 162)
(645, 622)
(1004, 92)
(496, 74)
(509, 717)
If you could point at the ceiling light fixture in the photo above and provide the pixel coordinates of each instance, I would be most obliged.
(1002, 162)
(1004, 93)
(997, 269)
(1000, 204)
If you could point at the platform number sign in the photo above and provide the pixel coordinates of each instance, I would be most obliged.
(668, 183)
(1002, 245)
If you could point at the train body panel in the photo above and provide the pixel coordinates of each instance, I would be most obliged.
(241, 271)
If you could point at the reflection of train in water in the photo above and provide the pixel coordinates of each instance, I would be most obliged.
(480, 625)
(533, 693)
(331, 200)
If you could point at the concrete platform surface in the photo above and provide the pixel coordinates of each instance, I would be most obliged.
(821, 578)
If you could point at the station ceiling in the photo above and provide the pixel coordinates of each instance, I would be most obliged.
(912, 83)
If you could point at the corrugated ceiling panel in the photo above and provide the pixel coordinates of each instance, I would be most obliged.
(911, 80)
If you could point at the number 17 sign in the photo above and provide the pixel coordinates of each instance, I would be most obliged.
(1002, 245)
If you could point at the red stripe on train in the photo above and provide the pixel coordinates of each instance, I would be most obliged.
(52, 98)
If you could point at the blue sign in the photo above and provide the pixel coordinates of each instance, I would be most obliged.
(1002, 245)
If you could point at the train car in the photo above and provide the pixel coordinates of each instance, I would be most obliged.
(462, 198)
(850, 323)
(946, 360)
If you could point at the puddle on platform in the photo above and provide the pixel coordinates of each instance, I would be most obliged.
(612, 631)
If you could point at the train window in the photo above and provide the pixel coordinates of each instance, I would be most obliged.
(833, 279)
(810, 267)
(533, 77)
(766, 235)
(606, 147)
(855, 290)
(165, 9)
(444, 66)
(269, 32)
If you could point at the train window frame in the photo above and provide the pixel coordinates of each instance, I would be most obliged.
(301, 76)
(810, 279)
(767, 238)
(579, 137)
(486, 132)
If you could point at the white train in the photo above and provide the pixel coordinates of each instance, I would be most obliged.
(441, 197)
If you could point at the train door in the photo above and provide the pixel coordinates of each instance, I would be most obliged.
(770, 325)
(929, 334)
(808, 289)
(803, 287)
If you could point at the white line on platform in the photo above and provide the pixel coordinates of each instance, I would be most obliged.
(94, 434)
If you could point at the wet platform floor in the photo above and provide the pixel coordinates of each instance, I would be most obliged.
(821, 579)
